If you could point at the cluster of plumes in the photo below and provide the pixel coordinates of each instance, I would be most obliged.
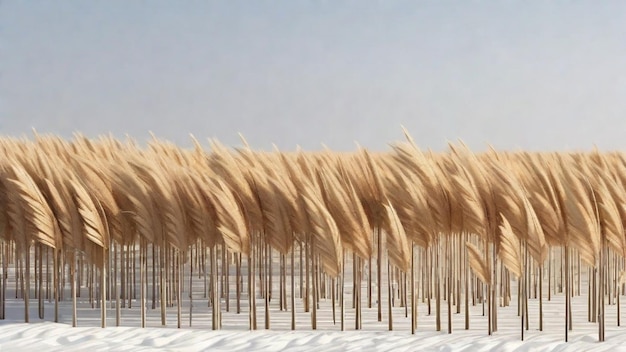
(79, 195)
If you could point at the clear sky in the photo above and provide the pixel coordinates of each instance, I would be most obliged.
(538, 75)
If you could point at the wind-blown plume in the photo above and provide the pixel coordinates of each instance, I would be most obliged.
(397, 244)
(478, 264)
(509, 249)
(40, 222)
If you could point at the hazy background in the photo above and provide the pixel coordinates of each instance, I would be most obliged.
(540, 75)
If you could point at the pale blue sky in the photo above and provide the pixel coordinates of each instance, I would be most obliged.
(540, 75)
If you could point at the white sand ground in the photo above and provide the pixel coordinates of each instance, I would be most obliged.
(45, 335)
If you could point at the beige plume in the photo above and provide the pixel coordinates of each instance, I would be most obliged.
(40, 223)
(398, 247)
(325, 233)
(478, 264)
(94, 226)
(230, 219)
(509, 249)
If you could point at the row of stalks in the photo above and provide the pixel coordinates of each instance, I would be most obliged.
(124, 225)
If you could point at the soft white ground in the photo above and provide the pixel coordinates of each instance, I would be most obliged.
(44, 335)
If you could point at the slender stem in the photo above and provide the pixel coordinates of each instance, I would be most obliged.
(118, 312)
(103, 285)
(142, 278)
(27, 283)
(341, 298)
(541, 297)
(567, 292)
(413, 298)
(293, 289)
(379, 271)
(39, 250)
(389, 284)
(191, 284)
(449, 264)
